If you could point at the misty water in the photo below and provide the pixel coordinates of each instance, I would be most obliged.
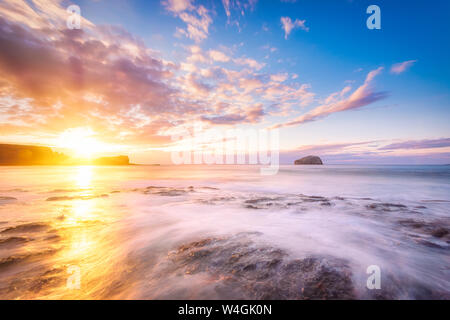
(210, 232)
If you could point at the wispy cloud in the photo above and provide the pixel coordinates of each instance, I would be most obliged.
(376, 151)
(249, 62)
(177, 6)
(402, 66)
(197, 18)
(288, 25)
(418, 144)
(250, 115)
(234, 9)
(337, 102)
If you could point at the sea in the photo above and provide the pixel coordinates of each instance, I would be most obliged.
(224, 232)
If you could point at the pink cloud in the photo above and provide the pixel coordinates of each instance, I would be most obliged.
(219, 56)
(197, 19)
(362, 96)
(418, 144)
(177, 6)
(250, 115)
(402, 66)
(105, 78)
(249, 62)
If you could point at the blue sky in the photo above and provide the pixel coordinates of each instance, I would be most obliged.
(349, 85)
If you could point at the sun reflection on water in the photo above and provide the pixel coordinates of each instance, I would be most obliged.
(82, 232)
(83, 176)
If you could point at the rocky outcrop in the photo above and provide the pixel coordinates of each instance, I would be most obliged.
(13, 154)
(112, 161)
(243, 269)
(309, 160)
(25, 155)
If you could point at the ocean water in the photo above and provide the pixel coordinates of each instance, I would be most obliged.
(224, 232)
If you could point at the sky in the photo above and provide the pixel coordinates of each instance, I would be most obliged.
(138, 72)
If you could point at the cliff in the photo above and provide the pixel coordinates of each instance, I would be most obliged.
(13, 154)
(26, 155)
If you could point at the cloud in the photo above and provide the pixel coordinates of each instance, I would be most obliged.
(280, 77)
(197, 18)
(419, 144)
(234, 9)
(377, 151)
(177, 6)
(336, 102)
(249, 62)
(331, 147)
(106, 79)
(327, 150)
(218, 56)
(81, 78)
(402, 66)
(251, 115)
(288, 25)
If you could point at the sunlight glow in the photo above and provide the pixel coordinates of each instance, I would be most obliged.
(84, 176)
(81, 141)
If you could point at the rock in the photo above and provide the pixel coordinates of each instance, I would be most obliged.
(309, 160)
(241, 268)
(8, 198)
(112, 161)
(26, 227)
(13, 154)
(440, 232)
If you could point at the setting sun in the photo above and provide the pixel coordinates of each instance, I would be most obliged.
(81, 142)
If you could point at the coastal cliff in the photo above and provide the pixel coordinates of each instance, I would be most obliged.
(27, 155)
(13, 154)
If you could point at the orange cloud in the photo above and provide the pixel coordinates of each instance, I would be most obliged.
(106, 79)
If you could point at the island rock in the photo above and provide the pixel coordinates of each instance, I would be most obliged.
(309, 160)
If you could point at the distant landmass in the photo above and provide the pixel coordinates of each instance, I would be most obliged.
(26, 155)
(309, 160)
(112, 161)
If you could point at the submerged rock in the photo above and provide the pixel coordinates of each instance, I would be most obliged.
(27, 227)
(239, 267)
(386, 206)
(309, 160)
(168, 191)
(68, 198)
(263, 272)
(13, 241)
(6, 200)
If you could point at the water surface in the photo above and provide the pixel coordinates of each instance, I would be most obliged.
(207, 232)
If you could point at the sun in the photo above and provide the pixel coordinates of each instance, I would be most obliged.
(81, 141)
